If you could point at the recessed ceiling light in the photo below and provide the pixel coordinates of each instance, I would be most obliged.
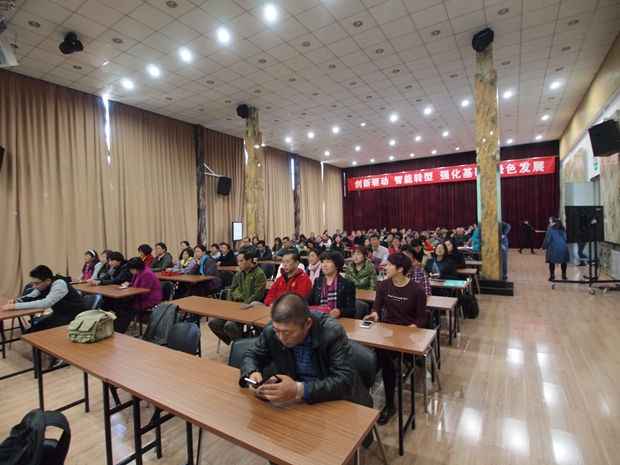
(327, 153)
(117, 40)
(292, 79)
(509, 141)
(223, 35)
(507, 94)
(559, 69)
(210, 82)
(464, 103)
(270, 13)
(427, 111)
(434, 152)
(262, 61)
(381, 108)
(453, 75)
(358, 148)
(369, 96)
(127, 84)
(392, 142)
(168, 98)
(267, 108)
(352, 83)
(418, 100)
(153, 70)
(379, 50)
(288, 140)
(310, 135)
(335, 129)
(171, 4)
(229, 119)
(458, 148)
(436, 32)
(257, 91)
(555, 85)
(331, 66)
(445, 133)
(507, 62)
(315, 94)
(573, 22)
(409, 87)
(418, 138)
(362, 124)
(545, 117)
(33, 24)
(358, 24)
(538, 137)
(372, 160)
(391, 157)
(355, 163)
(566, 49)
(503, 11)
(201, 110)
(185, 54)
(393, 117)
(305, 44)
(412, 154)
(396, 71)
(77, 67)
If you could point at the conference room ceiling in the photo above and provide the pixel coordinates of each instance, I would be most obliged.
(326, 64)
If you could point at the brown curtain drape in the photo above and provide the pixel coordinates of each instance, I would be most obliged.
(224, 154)
(50, 184)
(311, 197)
(279, 209)
(152, 176)
(332, 197)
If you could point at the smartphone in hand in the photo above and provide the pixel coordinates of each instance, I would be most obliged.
(366, 324)
(257, 384)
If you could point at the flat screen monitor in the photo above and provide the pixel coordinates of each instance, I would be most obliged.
(237, 231)
(584, 224)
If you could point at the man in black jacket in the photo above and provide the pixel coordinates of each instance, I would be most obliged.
(263, 252)
(311, 354)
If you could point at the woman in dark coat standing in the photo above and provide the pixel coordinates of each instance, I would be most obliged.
(555, 245)
(526, 239)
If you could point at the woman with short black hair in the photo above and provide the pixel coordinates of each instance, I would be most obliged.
(332, 290)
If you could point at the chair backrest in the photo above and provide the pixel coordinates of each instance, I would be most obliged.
(28, 288)
(80, 293)
(166, 290)
(92, 301)
(365, 361)
(164, 317)
(226, 277)
(361, 309)
(184, 337)
(237, 349)
(268, 268)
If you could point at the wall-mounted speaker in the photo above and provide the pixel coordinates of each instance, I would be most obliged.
(482, 40)
(223, 185)
(605, 138)
(243, 111)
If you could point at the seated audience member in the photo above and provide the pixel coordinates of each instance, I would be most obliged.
(459, 236)
(118, 273)
(379, 252)
(301, 264)
(103, 266)
(206, 267)
(332, 290)
(395, 247)
(277, 245)
(247, 246)
(216, 254)
(294, 240)
(475, 240)
(455, 254)
(441, 266)
(427, 245)
(387, 241)
(302, 247)
(405, 304)
(144, 278)
(310, 353)
(327, 241)
(291, 279)
(49, 292)
(91, 260)
(228, 257)
(263, 252)
(359, 238)
(361, 271)
(144, 252)
(184, 245)
(314, 265)
(420, 254)
(337, 245)
(187, 264)
(417, 273)
(410, 237)
(247, 286)
(255, 241)
(162, 259)
(286, 245)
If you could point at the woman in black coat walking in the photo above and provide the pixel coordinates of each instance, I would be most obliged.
(526, 240)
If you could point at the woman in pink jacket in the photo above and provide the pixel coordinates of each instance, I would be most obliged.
(143, 277)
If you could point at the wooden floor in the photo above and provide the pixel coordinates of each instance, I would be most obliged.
(534, 380)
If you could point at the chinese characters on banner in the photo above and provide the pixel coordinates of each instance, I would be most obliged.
(508, 169)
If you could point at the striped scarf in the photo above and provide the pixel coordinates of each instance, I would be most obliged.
(329, 294)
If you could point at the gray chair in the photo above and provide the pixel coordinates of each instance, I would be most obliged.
(185, 337)
(268, 268)
(92, 301)
(166, 289)
(361, 309)
(237, 349)
(365, 361)
(227, 279)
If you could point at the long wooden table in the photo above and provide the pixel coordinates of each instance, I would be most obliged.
(184, 278)
(111, 291)
(207, 394)
(470, 272)
(223, 309)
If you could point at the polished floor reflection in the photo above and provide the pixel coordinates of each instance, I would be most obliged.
(534, 380)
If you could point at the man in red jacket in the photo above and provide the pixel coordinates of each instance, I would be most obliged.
(292, 279)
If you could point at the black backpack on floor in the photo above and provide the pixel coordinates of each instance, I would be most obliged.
(27, 444)
(471, 309)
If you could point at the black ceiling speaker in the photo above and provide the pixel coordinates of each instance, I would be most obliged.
(482, 40)
(605, 138)
(243, 111)
(223, 185)
(71, 44)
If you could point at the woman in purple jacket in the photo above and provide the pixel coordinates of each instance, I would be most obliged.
(144, 278)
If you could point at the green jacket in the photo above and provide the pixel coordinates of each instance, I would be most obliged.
(248, 287)
(366, 278)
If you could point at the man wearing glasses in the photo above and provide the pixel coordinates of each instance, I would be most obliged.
(49, 292)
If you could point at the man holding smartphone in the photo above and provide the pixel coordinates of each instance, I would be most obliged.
(311, 354)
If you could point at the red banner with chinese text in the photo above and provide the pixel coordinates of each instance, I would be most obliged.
(508, 169)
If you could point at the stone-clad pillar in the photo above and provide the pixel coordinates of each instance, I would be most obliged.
(199, 148)
(488, 182)
(254, 177)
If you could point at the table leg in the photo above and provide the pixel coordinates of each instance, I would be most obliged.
(450, 317)
(137, 430)
(2, 339)
(86, 394)
(39, 375)
(401, 448)
(190, 443)
(106, 424)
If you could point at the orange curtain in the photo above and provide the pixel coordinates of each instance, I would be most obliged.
(332, 197)
(279, 208)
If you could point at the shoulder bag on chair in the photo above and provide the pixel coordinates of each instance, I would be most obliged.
(92, 326)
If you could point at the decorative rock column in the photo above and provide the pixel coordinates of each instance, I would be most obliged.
(488, 179)
(254, 177)
(199, 149)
